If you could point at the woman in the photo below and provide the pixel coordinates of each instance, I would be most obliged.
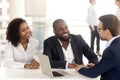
(20, 46)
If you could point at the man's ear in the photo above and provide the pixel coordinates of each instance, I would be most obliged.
(107, 31)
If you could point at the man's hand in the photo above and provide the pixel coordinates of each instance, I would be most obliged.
(79, 67)
(73, 66)
(90, 65)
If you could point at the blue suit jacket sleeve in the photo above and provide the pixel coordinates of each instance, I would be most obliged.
(108, 65)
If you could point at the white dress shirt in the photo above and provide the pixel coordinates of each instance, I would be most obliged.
(92, 16)
(17, 57)
(110, 41)
(68, 54)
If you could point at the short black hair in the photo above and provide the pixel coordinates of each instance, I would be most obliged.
(111, 22)
(57, 21)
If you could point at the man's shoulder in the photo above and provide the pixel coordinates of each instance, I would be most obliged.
(75, 36)
(51, 38)
(115, 43)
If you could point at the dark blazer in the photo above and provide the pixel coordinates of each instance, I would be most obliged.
(53, 49)
(109, 65)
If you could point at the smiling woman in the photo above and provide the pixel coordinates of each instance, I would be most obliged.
(20, 46)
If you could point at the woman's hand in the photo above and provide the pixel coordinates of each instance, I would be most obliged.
(34, 62)
(34, 65)
(72, 66)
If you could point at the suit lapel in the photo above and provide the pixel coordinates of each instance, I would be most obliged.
(74, 48)
(59, 49)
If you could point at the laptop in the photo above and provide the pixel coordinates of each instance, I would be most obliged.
(46, 68)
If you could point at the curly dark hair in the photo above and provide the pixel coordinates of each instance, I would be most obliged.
(12, 33)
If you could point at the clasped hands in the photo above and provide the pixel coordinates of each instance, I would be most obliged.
(33, 65)
(78, 66)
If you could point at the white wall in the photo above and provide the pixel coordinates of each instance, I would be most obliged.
(35, 8)
(76, 9)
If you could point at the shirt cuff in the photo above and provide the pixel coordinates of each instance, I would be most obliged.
(66, 65)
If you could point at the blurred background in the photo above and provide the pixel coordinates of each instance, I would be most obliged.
(40, 15)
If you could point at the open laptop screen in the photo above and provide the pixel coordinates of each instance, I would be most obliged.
(46, 68)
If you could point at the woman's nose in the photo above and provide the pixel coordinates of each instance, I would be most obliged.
(28, 32)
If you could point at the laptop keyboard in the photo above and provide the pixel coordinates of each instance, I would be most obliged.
(56, 74)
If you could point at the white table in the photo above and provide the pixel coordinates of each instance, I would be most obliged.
(36, 74)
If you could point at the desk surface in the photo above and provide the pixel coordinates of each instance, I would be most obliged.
(36, 74)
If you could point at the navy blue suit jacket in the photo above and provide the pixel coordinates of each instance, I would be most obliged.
(109, 65)
(53, 49)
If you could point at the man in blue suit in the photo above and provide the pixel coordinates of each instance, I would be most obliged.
(109, 66)
(66, 50)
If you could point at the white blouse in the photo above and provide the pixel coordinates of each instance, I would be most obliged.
(17, 57)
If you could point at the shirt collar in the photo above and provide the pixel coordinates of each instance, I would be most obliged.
(110, 41)
(61, 42)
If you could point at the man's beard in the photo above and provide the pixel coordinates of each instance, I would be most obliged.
(62, 39)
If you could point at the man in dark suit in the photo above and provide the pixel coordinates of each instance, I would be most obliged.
(109, 65)
(66, 50)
